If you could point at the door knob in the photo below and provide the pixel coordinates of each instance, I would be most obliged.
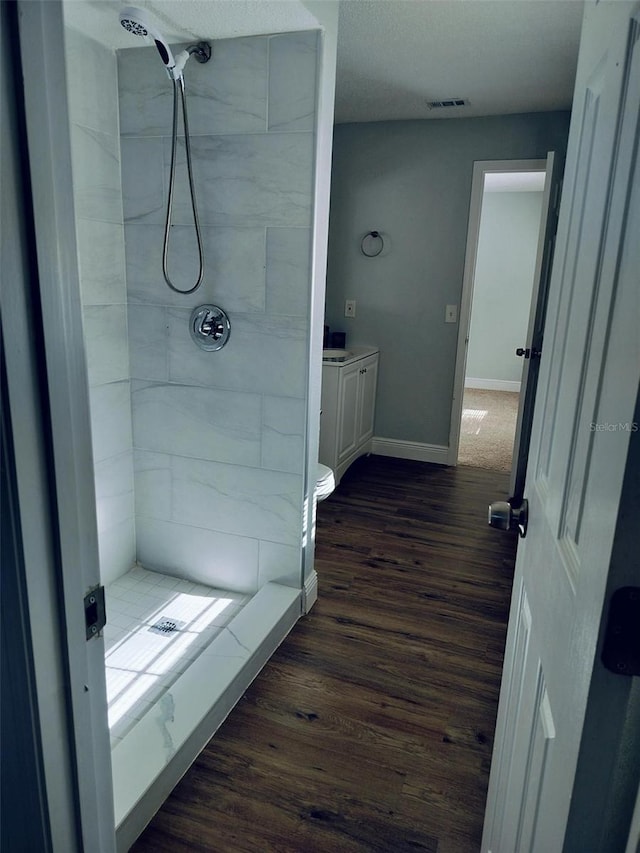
(529, 353)
(504, 516)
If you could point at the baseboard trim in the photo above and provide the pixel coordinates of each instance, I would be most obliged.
(416, 450)
(310, 592)
(492, 384)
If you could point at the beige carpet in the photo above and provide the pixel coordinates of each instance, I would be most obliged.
(488, 429)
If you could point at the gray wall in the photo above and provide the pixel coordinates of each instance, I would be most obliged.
(505, 265)
(411, 180)
(93, 107)
(219, 447)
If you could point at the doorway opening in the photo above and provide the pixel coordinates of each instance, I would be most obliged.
(505, 220)
(502, 287)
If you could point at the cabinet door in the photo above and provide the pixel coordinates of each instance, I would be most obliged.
(327, 450)
(368, 376)
(348, 411)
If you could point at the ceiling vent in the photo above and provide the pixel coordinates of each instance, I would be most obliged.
(447, 102)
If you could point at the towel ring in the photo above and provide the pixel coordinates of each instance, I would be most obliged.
(372, 244)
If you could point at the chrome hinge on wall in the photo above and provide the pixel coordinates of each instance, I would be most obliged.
(95, 614)
(621, 648)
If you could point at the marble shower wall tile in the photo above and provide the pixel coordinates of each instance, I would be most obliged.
(117, 550)
(203, 423)
(279, 564)
(110, 419)
(153, 484)
(96, 174)
(91, 83)
(204, 556)
(234, 499)
(148, 342)
(264, 355)
(253, 179)
(288, 266)
(143, 187)
(101, 262)
(114, 490)
(292, 81)
(226, 95)
(283, 430)
(105, 333)
(229, 93)
(145, 93)
(234, 266)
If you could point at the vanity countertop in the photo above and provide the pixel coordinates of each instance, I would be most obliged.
(355, 354)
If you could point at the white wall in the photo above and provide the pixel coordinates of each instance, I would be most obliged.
(505, 266)
(411, 180)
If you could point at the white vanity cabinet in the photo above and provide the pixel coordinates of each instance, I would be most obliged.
(348, 408)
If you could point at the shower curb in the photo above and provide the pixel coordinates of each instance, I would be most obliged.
(141, 767)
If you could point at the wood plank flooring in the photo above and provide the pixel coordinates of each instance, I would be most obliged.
(371, 728)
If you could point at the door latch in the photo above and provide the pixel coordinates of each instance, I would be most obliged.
(528, 353)
(95, 613)
(504, 516)
(621, 647)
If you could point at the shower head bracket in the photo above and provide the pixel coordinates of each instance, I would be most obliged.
(200, 51)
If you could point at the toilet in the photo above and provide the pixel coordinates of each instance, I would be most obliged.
(325, 482)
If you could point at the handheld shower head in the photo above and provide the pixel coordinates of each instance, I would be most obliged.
(139, 23)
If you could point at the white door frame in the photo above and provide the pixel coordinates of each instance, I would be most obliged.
(50, 407)
(480, 169)
(633, 841)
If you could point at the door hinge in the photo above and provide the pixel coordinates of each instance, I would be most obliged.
(621, 648)
(95, 613)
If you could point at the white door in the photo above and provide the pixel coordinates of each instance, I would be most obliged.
(561, 714)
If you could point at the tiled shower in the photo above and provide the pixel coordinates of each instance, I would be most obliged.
(218, 450)
(199, 456)
(215, 439)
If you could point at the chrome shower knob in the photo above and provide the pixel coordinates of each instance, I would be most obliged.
(209, 327)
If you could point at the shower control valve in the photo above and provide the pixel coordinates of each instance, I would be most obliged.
(209, 327)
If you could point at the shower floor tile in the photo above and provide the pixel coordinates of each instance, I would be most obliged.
(142, 664)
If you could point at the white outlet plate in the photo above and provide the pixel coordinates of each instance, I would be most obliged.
(350, 308)
(451, 314)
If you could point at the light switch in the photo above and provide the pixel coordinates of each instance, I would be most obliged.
(350, 308)
(451, 314)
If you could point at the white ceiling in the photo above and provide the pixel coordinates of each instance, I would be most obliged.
(189, 20)
(504, 56)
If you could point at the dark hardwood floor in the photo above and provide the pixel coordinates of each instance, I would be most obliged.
(371, 728)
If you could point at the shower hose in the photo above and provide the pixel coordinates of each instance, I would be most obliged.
(178, 91)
